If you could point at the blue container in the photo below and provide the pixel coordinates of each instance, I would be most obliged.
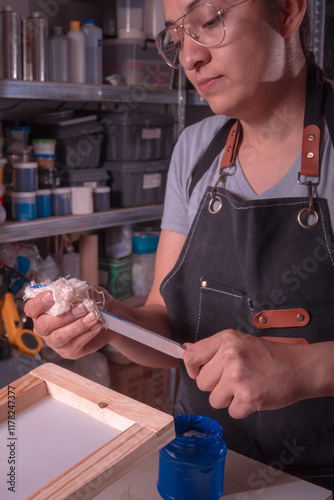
(61, 201)
(43, 203)
(25, 177)
(101, 198)
(24, 206)
(192, 466)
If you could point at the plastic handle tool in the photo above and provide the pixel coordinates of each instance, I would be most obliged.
(143, 336)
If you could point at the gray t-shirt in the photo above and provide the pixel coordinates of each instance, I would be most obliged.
(179, 210)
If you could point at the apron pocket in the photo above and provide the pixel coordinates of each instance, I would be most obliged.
(222, 307)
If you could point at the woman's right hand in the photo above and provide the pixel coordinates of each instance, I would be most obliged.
(73, 334)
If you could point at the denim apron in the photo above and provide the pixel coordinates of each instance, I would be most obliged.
(266, 268)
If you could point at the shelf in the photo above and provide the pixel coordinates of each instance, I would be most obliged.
(194, 99)
(18, 89)
(58, 91)
(51, 226)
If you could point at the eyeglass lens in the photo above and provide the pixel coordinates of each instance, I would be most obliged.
(203, 24)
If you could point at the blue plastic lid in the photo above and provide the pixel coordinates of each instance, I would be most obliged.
(144, 244)
(44, 156)
(89, 21)
(24, 129)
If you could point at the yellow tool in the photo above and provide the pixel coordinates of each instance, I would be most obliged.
(22, 339)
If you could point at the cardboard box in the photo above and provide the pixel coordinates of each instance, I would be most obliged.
(115, 276)
(147, 385)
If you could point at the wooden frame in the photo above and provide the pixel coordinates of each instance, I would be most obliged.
(142, 429)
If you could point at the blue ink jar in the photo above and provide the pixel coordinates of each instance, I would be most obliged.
(25, 177)
(192, 466)
(23, 206)
(43, 203)
(61, 201)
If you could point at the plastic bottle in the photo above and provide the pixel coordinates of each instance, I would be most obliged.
(59, 55)
(93, 51)
(77, 39)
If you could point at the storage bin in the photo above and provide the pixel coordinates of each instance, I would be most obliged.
(137, 183)
(92, 177)
(137, 136)
(130, 19)
(79, 138)
(138, 64)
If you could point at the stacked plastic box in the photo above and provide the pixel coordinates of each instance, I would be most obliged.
(137, 63)
(79, 138)
(136, 152)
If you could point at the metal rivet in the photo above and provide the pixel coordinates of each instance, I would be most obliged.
(300, 317)
(310, 155)
(103, 405)
(233, 133)
(204, 283)
(229, 149)
(263, 320)
(311, 137)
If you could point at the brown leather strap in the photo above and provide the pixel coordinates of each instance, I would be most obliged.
(310, 164)
(231, 147)
(286, 340)
(281, 318)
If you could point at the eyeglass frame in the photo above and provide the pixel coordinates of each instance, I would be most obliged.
(176, 29)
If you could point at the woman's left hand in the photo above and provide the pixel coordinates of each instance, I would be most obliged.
(248, 374)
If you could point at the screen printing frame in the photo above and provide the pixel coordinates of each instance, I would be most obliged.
(142, 430)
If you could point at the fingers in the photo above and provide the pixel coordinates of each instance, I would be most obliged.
(218, 366)
(197, 355)
(60, 330)
(221, 397)
(85, 343)
(38, 305)
(72, 334)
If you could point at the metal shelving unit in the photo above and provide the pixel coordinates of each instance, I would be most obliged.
(12, 231)
(51, 226)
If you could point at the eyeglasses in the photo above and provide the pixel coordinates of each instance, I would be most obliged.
(204, 24)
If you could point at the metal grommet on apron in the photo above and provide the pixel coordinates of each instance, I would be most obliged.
(215, 203)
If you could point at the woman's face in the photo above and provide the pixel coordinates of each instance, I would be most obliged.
(234, 77)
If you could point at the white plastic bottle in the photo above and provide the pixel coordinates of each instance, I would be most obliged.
(93, 50)
(78, 67)
(59, 47)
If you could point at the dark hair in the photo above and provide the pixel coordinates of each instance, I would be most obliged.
(304, 29)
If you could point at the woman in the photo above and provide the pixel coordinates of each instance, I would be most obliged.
(250, 257)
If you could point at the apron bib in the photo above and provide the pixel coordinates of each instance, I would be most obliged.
(239, 268)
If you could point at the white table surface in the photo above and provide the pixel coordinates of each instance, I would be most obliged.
(240, 473)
